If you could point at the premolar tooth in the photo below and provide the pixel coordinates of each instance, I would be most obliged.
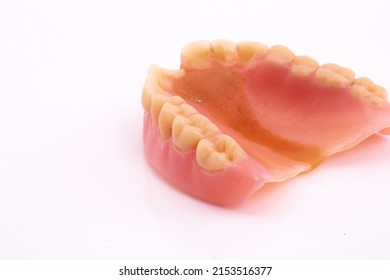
(331, 78)
(303, 65)
(196, 55)
(209, 129)
(280, 54)
(224, 51)
(345, 72)
(167, 115)
(158, 100)
(248, 51)
(185, 136)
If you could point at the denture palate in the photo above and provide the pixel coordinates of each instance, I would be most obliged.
(236, 116)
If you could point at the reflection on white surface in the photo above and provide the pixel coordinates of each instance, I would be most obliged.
(73, 179)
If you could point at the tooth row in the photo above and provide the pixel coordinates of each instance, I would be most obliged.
(189, 130)
(198, 55)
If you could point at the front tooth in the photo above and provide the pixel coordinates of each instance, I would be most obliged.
(224, 51)
(158, 100)
(331, 78)
(196, 55)
(280, 54)
(248, 51)
(303, 65)
(345, 72)
(185, 136)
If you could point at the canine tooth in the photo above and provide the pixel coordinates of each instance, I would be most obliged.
(196, 55)
(151, 87)
(303, 65)
(185, 136)
(248, 51)
(331, 78)
(280, 54)
(224, 51)
(345, 72)
(158, 100)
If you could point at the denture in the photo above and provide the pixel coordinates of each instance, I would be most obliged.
(237, 116)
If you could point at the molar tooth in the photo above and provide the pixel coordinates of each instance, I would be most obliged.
(372, 88)
(228, 145)
(303, 65)
(364, 93)
(196, 55)
(280, 54)
(207, 157)
(345, 72)
(331, 78)
(217, 153)
(224, 51)
(248, 51)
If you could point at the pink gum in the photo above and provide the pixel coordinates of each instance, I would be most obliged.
(232, 186)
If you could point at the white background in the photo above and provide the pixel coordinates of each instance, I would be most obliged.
(73, 179)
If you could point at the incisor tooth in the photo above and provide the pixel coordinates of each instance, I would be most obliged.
(224, 51)
(280, 54)
(248, 51)
(345, 72)
(196, 55)
(303, 65)
(331, 78)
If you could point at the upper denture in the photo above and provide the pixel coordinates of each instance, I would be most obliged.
(249, 110)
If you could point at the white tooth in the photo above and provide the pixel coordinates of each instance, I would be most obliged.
(280, 54)
(345, 72)
(196, 55)
(331, 78)
(185, 136)
(224, 51)
(380, 92)
(366, 88)
(249, 51)
(303, 65)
